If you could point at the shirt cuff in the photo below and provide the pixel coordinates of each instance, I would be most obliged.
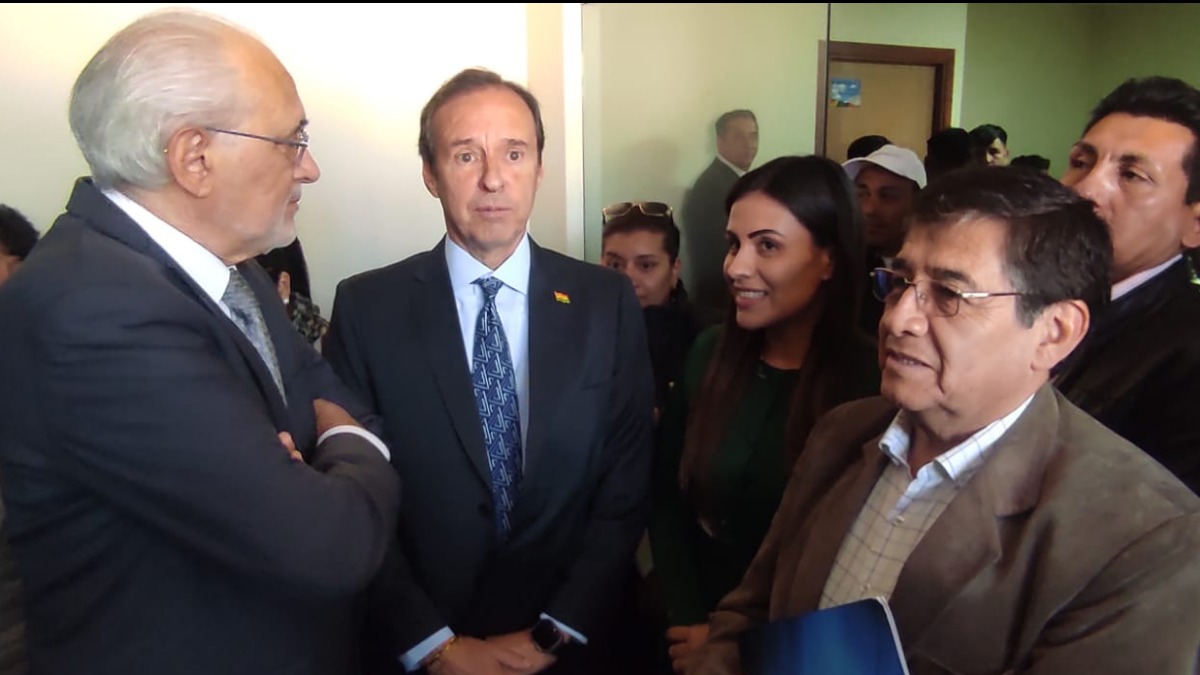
(575, 635)
(411, 659)
(357, 431)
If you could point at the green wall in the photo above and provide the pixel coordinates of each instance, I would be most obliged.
(1148, 39)
(1028, 69)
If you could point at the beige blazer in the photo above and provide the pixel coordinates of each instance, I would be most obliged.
(1069, 551)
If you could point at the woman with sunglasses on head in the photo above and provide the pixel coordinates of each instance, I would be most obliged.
(641, 241)
(788, 350)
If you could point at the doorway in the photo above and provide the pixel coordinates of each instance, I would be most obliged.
(904, 93)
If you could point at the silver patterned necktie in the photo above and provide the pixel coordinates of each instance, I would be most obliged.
(495, 386)
(247, 316)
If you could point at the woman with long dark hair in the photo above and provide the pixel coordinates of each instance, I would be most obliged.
(788, 350)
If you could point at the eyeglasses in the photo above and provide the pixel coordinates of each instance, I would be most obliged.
(889, 286)
(652, 209)
(299, 144)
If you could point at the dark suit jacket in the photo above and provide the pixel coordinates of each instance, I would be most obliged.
(158, 523)
(703, 228)
(1069, 551)
(1138, 371)
(395, 338)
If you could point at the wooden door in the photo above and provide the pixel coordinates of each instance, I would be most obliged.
(903, 93)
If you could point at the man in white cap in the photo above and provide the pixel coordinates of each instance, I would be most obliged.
(888, 181)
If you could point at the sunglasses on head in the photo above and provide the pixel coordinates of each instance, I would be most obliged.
(652, 209)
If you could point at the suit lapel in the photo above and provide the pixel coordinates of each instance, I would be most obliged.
(434, 311)
(90, 205)
(555, 333)
(832, 521)
(966, 538)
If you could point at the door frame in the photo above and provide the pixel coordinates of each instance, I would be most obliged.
(941, 60)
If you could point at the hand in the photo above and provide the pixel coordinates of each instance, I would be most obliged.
(521, 643)
(685, 640)
(469, 656)
(330, 415)
(286, 439)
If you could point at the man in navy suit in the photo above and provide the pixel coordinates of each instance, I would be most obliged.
(188, 489)
(516, 383)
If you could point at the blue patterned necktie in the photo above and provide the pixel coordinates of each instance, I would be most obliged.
(247, 316)
(495, 386)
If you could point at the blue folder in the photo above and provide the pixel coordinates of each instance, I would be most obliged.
(858, 638)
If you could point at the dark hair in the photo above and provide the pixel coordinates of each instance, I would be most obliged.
(1164, 98)
(1035, 162)
(1057, 247)
(288, 259)
(17, 234)
(947, 149)
(636, 221)
(984, 135)
(865, 145)
(466, 82)
(724, 120)
(818, 193)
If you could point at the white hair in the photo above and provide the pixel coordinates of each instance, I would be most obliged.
(163, 72)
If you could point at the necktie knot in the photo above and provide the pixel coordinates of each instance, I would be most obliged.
(238, 296)
(491, 286)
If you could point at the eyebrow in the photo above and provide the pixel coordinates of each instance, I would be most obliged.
(765, 231)
(947, 274)
(935, 273)
(1125, 159)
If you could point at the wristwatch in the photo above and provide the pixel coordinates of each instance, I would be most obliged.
(547, 637)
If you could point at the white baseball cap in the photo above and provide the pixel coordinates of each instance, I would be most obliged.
(900, 161)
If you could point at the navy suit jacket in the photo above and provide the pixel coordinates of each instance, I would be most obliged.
(158, 523)
(395, 338)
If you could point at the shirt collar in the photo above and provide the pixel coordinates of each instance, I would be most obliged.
(1126, 285)
(207, 270)
(464, 269)
(958, 463)
(729, 164)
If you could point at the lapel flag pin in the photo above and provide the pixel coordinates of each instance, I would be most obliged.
(562, 297)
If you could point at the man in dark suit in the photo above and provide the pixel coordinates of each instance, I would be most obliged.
(704, 211)
(1008, 530)
(1139, 370)
(517, 384)
(187, 488)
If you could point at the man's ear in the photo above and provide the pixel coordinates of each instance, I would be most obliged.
(1190, 237)
(188, 161)
(1062, 326)
(284, 287)
(430, 180)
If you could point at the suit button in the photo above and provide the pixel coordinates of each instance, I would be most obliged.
(485, 511)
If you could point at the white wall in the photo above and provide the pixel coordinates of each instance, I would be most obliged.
(658, 75)
(363, 72)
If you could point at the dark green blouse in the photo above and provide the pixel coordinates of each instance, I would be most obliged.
(695, 567)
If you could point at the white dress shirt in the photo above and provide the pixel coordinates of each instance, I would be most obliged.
(209, 272)
(736, 169)
(1124, 286)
